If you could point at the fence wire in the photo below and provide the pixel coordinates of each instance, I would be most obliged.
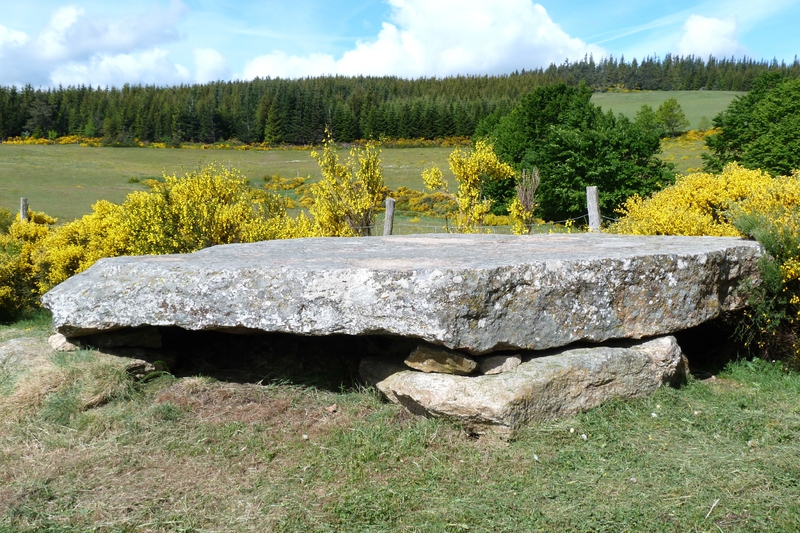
(407, 228)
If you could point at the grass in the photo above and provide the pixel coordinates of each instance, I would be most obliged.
(685, 153)
(64, 181)
(195, 454)
(695, 104)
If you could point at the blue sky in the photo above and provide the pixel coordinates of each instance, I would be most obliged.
(165, 42)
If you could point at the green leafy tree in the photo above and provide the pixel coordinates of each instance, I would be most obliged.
(760, 129)
(672, 117)
(574, 144)
(648, 119)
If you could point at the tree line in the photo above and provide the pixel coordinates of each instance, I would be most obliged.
(278, 111)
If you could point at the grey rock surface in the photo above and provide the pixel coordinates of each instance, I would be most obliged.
(476, 293)
(559, 384)
(497, 364)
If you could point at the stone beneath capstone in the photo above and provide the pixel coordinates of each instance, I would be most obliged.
(433, 359)
(559, 384)
(497, 364)
(60, 343)
(473, 293)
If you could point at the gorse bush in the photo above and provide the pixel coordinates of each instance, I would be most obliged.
(19, 247)
(773, 322)
(474, 170)
(696, 204)
(206, 207)
(210, 206)
(739, 202)
(343, 203)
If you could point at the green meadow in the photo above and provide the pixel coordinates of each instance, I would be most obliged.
(695, 104)
(64, 181)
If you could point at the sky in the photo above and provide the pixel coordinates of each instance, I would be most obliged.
(166, 42)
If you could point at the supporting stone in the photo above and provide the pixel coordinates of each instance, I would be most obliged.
(555, 385)
(434, 359)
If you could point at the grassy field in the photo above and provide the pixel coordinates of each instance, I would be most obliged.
(64, 181)
(696, 104)
(85, 447)
(685, 154)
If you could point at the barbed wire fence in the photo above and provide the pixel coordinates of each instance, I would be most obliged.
(411, 228)
(397, 227)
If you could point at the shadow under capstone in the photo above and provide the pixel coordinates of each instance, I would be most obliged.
(329, 362)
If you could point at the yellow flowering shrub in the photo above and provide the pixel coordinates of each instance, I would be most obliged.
(210, 206)
(739, 202)
(695, 205)
(344, 201)
(471, 170)
(76, 246)
(213, 205)
(19, 246)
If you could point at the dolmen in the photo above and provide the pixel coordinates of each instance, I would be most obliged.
(507, 329)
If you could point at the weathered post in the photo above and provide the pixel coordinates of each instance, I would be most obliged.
(593, 205)
(23, 209)
(388, 220)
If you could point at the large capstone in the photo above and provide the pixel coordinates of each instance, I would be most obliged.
(475, 293)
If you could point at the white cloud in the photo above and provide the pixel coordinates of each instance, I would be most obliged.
(74, 47)
(151, 67)
(441, 38)
(279, 64)
(11, 39)
(72, 35)
(210, 65)
(704, 36)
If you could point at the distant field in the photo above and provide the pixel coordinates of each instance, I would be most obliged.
(64, 181)
(696, 104)
(686, 154)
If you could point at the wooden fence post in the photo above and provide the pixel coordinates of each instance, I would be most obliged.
(23, 209)
(388, 220)
(593, 205)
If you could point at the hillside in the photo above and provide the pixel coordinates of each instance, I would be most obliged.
(696, 104)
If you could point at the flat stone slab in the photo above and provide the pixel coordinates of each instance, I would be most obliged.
(476, 293)
(550, 386)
